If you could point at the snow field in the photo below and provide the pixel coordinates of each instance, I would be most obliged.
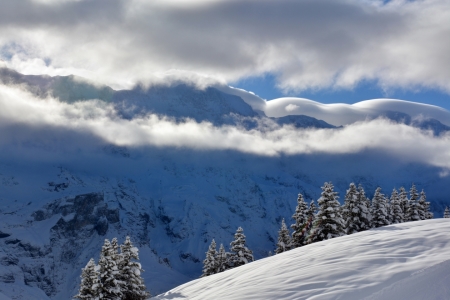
(402, 261)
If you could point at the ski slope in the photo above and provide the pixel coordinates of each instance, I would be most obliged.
(404, 261)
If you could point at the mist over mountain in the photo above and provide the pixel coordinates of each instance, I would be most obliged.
(177, 165)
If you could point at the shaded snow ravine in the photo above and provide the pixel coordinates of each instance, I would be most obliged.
(403, 261)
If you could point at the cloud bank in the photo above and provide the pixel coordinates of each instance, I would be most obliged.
(27, 122)
(308, 44)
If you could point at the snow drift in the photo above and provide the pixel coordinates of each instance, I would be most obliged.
(404, 261)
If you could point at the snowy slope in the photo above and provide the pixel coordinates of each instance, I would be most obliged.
(406, 261)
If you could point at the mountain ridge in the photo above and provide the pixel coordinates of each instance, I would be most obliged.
(219, 100)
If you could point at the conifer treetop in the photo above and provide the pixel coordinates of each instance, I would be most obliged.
(90, 284)
(328, 223)
(240, 254)
(284, 239)
(131, 270)
(210, 264)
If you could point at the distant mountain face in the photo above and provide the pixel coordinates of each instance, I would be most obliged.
(430, 124)
(66, 88)
(58, 205)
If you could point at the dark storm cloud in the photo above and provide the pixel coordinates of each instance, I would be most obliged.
(307, 44)
(28, 14)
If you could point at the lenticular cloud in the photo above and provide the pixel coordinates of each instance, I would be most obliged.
(50, 124)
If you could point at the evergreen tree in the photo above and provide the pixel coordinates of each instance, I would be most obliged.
(312, 210)
(428, 213)
(301, 218)
(423, 207)
(130, 269)
(115, 249)
(446, 213)
(117, 258)
(284, 239)
(414, 209)
(240, 254)
(404, 204)
(311, 214)
(111, 286)
(90, 284)
(354, 211)
(329, 222)
(222, 259)
(379, 212)
(366, 215)
(395, 208)
(388, 209)
(210, 264)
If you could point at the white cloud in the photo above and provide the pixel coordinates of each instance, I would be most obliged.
(308, 44)
(54, 126)
(291, 107)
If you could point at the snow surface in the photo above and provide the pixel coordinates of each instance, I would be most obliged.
(403, 261)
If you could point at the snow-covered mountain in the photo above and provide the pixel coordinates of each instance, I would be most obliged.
(342, 114)
(404, 261)
(221, 104)
(78, 170)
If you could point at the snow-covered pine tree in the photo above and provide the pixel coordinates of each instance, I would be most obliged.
(222, 259)
(240, 254)
(118, 259)
(446, 213)
(414, 209)
(329, 222)
(130, 273)
(353, 211)
(115, 249)
(301, 218)
(311, 213)
(423, 206)
(404, 203)
(366, 215)
(379, 212)
(395, 208)
(428, 213)
(210, 263)
(111, 286)
(284, 239)
(90, 284)
(312, 210)
(388, 208)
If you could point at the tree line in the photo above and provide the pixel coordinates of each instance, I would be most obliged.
(117, 275)
(219, 261)
(328, 220)
(358, 213)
